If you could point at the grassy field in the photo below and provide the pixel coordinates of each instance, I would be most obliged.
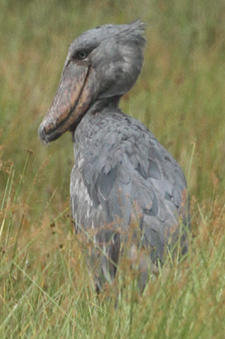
(45, 289)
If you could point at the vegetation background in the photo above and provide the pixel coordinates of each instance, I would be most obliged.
(45, 290)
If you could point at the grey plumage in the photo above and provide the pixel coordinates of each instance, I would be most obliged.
(122, 175)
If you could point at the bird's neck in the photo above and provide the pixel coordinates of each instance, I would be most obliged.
(94, 118)
(104, 103)
(99, 105)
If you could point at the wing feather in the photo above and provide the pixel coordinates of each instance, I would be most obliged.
(131, 174)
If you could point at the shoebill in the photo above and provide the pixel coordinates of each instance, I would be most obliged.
(123, 179)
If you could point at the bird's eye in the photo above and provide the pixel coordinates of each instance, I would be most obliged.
(82, 55)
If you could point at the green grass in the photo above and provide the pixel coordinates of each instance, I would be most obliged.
(45, 289)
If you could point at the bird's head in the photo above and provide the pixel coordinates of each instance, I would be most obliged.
(102, 63)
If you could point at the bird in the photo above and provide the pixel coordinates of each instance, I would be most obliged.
(122, 176)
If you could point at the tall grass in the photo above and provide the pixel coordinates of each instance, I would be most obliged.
(45, 288)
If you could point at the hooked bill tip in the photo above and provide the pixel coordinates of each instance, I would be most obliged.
(49, 136)
(42, 135)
